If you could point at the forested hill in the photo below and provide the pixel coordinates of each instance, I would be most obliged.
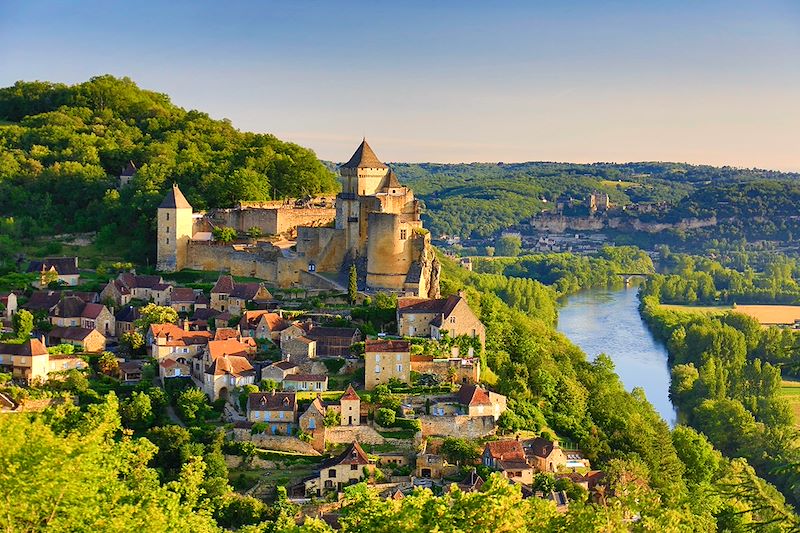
(63, 147)
(480, 199)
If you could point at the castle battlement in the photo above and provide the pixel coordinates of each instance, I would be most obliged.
(373, 223)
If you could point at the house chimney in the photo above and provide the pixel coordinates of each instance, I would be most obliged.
(462, 293)
(186, 324)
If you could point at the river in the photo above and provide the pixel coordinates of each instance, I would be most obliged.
(607, 321)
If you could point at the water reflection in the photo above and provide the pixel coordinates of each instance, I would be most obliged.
(607, 321)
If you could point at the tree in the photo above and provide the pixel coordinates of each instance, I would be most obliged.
(224, 234)
(459, 451)
(155, 314)
(699, 456)
(269, 385)
(137, 411)
(385, 417)
(244, 395)
(352, 288)
(509, 245)
(108, 364)
(192, 405)
(332, 418)
(22, 323)
(132, 342)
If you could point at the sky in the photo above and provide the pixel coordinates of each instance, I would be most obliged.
(715, 82)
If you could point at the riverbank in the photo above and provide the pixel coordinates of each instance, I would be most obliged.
(608, 321)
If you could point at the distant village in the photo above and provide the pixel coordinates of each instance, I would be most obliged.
(286, 352)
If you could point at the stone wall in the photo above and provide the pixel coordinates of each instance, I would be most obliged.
(470, 427)
(272, 220)
(275, 442)
(347, 434)
(561, 224)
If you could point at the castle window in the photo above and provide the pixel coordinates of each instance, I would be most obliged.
(167, 230)
(402, 234)
(167, 216)
(167, 240)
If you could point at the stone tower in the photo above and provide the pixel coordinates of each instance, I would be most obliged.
(174, 231)
(361, 177)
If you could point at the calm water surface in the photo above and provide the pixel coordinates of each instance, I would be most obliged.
(607, 321)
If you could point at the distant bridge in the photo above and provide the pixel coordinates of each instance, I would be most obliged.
(627, 277)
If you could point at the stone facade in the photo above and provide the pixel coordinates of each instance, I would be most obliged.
(376, 226)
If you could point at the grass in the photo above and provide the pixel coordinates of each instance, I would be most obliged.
(623, 184)
(790, 392)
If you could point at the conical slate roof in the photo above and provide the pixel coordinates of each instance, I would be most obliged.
(364, 157)
(175, 199)
(129, 170)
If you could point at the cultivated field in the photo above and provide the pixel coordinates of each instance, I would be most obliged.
(790, 392)
(766, 315)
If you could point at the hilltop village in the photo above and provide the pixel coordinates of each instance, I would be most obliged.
(311, 332)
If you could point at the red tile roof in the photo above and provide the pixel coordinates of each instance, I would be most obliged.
(230, 364)
(472, 395)
(224, 285)
(350, 394)
(506, 450)
(226, 347)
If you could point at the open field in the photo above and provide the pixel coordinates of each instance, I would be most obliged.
(766, 315)
(622, 184)
(790, 393)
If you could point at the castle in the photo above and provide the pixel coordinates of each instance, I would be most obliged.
(375, 226)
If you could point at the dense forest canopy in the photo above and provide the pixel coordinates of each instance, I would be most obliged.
(63, 147)
(480, 199)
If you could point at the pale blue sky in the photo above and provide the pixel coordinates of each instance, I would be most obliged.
(705, 82)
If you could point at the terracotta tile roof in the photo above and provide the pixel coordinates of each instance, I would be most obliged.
(247, 291)
(65, 266)
(272, 401)
(472, 395)
(230, 364)
(379, 345)
(226, 347)
(177, 336)
(318, 406)
(306, 377)
(175, 199)
(30, 348)
(168, 363)
(92, 310)
(222, 334)
(364, 157)
(274, 321)
(350, 394)
(224, 285)
(506, 450)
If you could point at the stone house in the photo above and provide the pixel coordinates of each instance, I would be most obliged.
(130, 371)
(169, 340)
(62, 269)
(421, 317)
(85, 339)
(8, 301)
(431, 464)
(333, 342)
(312, 422)
(502, 450)
(279, 371)
(124, 320)
(173, 368)
(476, 401)
(516, 470)
(72, 311)
(385, 360)
(299, 349)
(127, 174)
(336, 473)
(42, 302)
(262, 324)
(306, 382)
(29, 362)
(225, 373)
(228, 295)
(128, 286)
(548, 456)
(277, 409)
(183, 299)
(350, 407)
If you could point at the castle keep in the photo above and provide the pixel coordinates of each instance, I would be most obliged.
(375, 225)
